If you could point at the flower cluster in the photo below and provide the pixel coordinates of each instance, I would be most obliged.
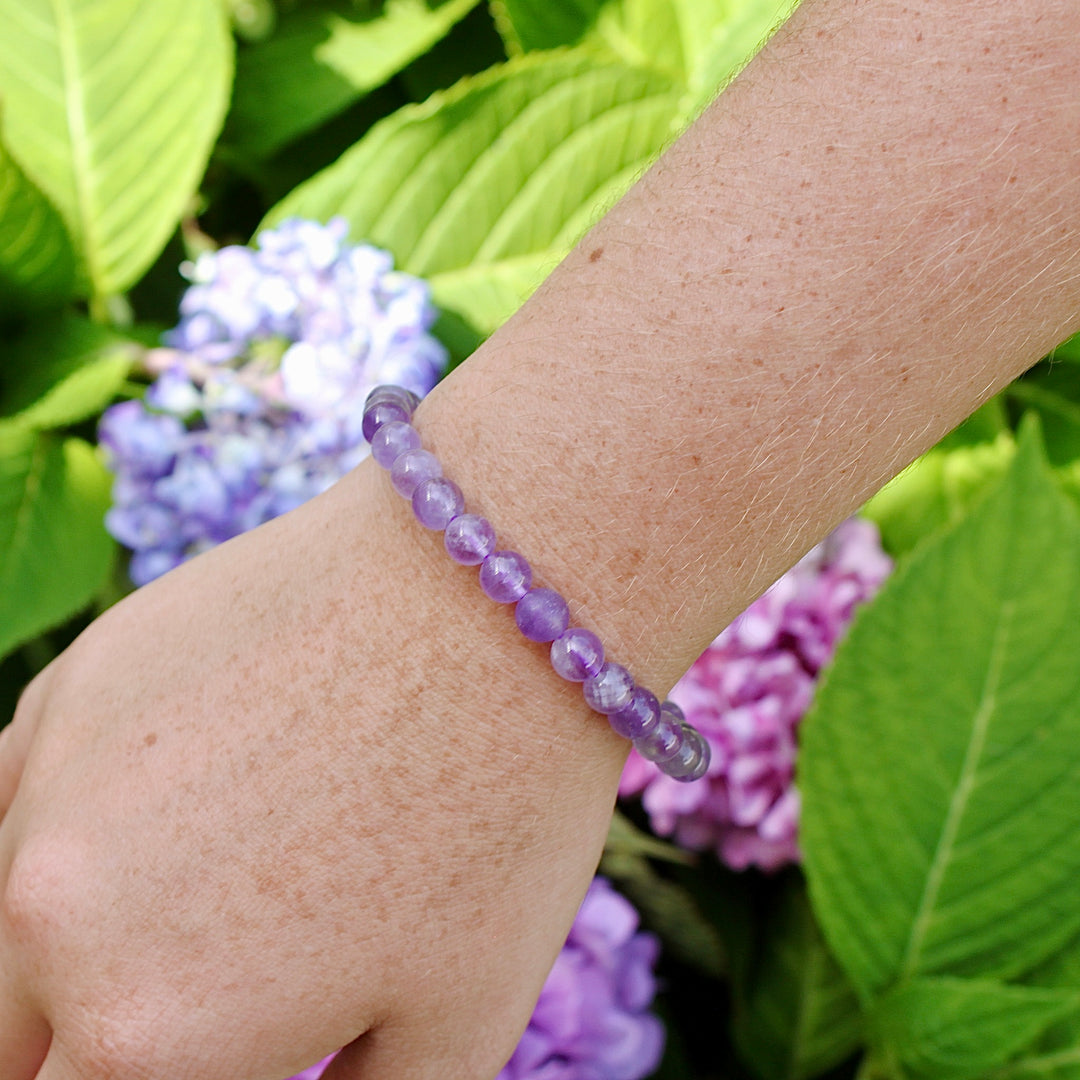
(257, 401)
(747, 693)
(592, 1020)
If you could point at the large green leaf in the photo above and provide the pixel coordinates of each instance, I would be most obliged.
(37, 265)
(368, 53)
(730, 46)
(940, 761)
(798, 1017)
(484, 188)
(63, 371)
(1053, 391)
(699, 44)
(935, 491)
(111, 107)
(323, 58)
(54, 552)
(960, 1029)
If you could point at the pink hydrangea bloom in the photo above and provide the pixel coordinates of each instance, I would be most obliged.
(592, 1021)
(747, 693)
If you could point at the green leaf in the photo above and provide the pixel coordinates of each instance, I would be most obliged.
(366, 54)
(62, 372)
(699, 44)
(1068, 350)
(1053, 391)
(935, 491)
(940, 761)
(282, 89)
(484, 188)
(667, 906)
(321, 60)
(54, 552)
(624, 838)
(37, 265)
(798, 1017)
(111, 107)
(543, 24)
(729, 48)
(959, 1029)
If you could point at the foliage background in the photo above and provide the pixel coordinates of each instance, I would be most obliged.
(934, 930)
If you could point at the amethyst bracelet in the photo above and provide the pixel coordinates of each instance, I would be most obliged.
(658, 731)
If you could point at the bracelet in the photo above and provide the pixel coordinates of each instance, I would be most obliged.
(658, 731)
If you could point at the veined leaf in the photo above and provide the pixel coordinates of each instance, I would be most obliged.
(322, 59)
(940, 761)
(64, 371)
(798, 1017)
(960, 1029)
(37, 265)
(111, 107)
(699, 44)
(486, 187)
(936, 490)
(1053, 391)
(54, 552)
(368, 53)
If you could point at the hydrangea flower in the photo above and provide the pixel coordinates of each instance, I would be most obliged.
(747, 693)
(257, 401)
(592, 1020)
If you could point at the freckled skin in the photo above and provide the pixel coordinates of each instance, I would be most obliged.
(312, 788)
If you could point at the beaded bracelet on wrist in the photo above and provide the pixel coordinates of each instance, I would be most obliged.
(658, 731)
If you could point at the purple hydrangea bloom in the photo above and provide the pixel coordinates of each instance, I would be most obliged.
(747, 693)
(592, 1020)
(258, 396)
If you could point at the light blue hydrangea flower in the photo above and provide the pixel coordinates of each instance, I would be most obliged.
(259, 390)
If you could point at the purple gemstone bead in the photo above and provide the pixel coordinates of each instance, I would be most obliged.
(542, 615)
(382, 412)
(436, 502)
(505, 576)
(469, 539)
(610, 689)
(577, 654)
(392, 439)
(692, 760)
(406, 398)
(663, 742)
(673, 713)
(412, 468)
(637, 718)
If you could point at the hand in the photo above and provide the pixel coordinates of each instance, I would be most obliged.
(309, 790)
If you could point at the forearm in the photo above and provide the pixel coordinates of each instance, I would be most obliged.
(874, 228)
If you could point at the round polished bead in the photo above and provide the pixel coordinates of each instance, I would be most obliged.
(577, 654)
(436, 502)
(505, 576)
(541, 615)
(412, 468)
(663, 742)
(692, 760)
(388, 392)
(610, 689)
(672, 712)
(638, 716)
(392, 439)
(469, 539)
(383, 412)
